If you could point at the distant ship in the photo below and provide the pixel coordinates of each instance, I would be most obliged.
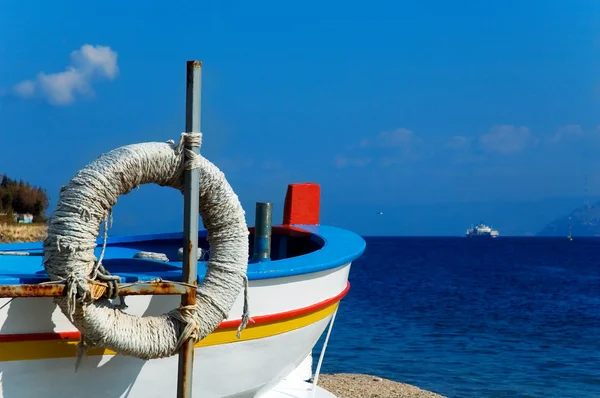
(482, 231)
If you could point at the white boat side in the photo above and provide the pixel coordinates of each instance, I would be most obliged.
(38, 343)
(267, 297)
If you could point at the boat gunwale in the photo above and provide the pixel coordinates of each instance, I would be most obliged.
(337, 247)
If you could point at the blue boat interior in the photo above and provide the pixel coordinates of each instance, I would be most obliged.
(295, 250)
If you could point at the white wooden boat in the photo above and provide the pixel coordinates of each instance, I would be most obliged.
(292, 298)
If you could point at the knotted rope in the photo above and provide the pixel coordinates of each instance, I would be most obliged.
(85, 203)
(152, 256)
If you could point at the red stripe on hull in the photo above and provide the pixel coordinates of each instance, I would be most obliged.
(260, 319)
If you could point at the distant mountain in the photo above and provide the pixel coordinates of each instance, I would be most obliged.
(584, 221)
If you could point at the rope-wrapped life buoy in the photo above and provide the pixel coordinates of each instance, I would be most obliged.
(85, 203)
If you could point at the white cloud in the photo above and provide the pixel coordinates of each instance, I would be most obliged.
(88, 64)
(25, 88)
(567, 131)
(386, 149)
(342, 161)
(91, 59)
(507, 140)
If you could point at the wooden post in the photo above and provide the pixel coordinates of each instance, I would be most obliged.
(262, 231)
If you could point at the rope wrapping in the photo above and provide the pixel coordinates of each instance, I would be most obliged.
(152, 256)
(85, 204)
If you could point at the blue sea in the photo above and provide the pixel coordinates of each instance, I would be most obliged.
(509, 317)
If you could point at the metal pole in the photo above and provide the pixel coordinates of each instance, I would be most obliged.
(190, 223)
(262, 231)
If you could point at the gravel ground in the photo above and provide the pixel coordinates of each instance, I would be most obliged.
(365, 386)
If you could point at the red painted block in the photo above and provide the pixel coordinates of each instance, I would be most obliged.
(302, 204)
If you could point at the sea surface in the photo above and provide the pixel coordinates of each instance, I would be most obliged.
(509, 317)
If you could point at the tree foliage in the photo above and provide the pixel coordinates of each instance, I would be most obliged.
(21, 197)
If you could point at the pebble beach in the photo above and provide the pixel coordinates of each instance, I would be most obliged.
(346, 385)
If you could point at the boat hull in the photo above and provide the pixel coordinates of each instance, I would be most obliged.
(38, 345)
(482, 236)
(240, 370)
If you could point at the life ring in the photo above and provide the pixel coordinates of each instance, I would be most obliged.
(86, 201)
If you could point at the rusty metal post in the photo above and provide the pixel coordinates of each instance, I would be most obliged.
(262, 231)
(190, 223)
(59, 290)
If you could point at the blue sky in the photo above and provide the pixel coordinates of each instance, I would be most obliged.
(437, 113)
